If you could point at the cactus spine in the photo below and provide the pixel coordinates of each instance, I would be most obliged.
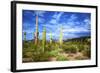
(44, 38)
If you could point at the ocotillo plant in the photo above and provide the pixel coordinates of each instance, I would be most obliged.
(50, 38)
(44, 38)
(61, 36)
(24, 36)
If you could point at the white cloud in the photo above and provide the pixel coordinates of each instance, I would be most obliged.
(57, 16)
(29, 12)
(41, 20)
(53, 21)
(40, 13)
(87, 20)
(47, 25)
(87, 23)
(76, 30)
(73, 17)
(29, 31)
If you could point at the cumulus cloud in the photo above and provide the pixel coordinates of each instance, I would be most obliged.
(72, 26)
(75, 30)
(57, 15)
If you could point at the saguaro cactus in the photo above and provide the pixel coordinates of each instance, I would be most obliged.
(50, 38)
(36, 32)
(61, 36)
(44, 38)
(24, 36)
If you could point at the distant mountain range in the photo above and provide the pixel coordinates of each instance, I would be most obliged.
(71, 39)
(79, 38)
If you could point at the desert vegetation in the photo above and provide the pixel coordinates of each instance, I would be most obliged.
(41, 50)
(61, 50)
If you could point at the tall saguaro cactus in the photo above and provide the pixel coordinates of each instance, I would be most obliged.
(24, 36)
(36, 32)
(61, 36)
(50, 38)
(44, 38)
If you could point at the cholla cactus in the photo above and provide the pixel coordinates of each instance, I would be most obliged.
(24, 36)
(61, 36)
(44, 38)
(50, 38)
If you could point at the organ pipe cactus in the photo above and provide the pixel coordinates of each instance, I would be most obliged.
(61, 36)
(44, 38)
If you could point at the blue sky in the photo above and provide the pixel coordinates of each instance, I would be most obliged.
(74, 24)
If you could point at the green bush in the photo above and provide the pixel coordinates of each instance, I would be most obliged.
(71, 49)
(61, 58)
(87, 53)
(80, 48)
(39, 55)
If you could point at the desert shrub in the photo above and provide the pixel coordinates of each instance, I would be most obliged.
(71, 49)
(43, 55)
(87, 53)
(28, 54)
(48, 47)
(61, 58)
(39, 55)
(25, 44)
(80, 47)
(54, 53)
